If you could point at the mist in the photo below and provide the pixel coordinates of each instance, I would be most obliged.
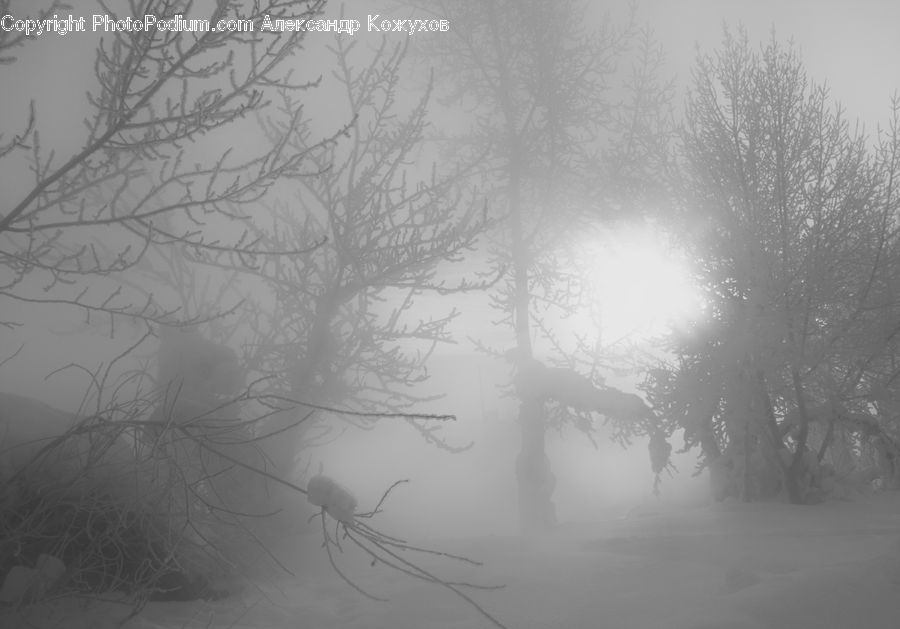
(436, 314)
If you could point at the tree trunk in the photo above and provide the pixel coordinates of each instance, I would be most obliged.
(794, 473)
(284, 448)
(535, 480)
(795, 492)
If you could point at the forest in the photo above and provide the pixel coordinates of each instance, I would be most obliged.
(255, 278)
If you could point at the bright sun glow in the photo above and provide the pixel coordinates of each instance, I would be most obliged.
(642, 286)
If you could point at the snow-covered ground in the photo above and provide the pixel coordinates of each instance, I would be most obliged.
(726, 566)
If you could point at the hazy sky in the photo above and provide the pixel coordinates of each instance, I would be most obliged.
(853, 46)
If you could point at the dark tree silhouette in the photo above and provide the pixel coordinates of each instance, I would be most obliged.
(792, 223)
(562, 143)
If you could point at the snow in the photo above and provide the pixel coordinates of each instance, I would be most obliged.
(336, 499)
(724, 566)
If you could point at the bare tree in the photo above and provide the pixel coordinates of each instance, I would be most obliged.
(156, 458)
(797, 244)
(141, 176)
(346, 324)
(549, 119)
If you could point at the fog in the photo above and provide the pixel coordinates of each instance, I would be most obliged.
(457, 495)
(560, 316)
